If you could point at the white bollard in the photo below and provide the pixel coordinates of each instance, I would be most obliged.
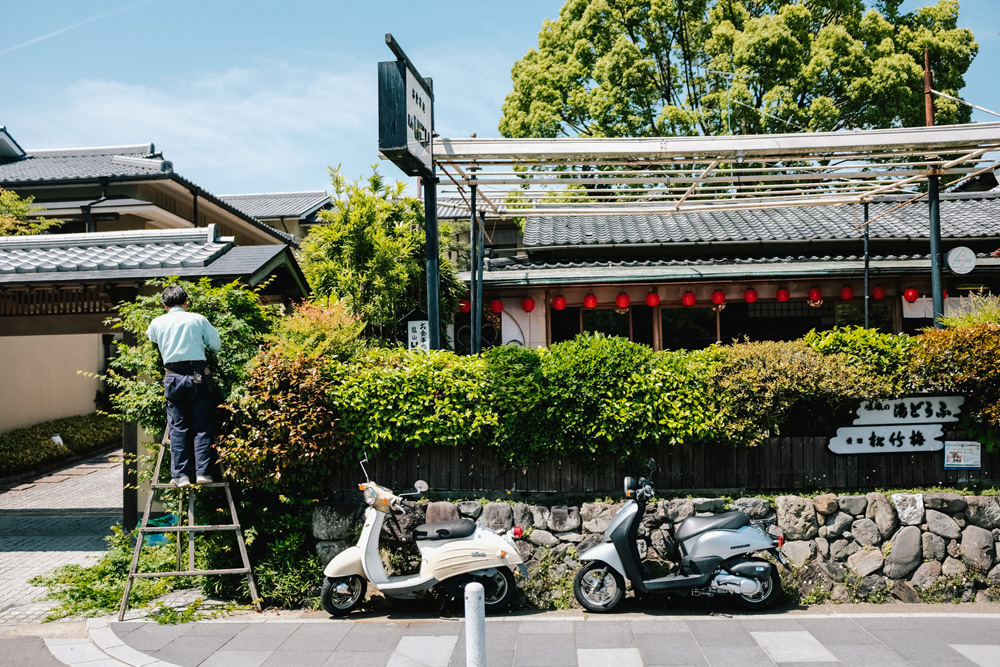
(475, 626)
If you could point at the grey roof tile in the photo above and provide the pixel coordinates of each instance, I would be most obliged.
(962, 216)
(84, 163)
(279, 204)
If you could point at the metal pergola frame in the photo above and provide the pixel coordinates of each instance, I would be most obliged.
(575, 176)
(677, 175)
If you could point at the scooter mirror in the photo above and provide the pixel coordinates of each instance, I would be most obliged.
(653, 467)
(420, 485)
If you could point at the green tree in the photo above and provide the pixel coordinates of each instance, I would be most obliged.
(369, 254)
(14, 216)
(623, 68)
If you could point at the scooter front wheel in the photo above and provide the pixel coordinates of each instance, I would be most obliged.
(598, 586)
(340, 595)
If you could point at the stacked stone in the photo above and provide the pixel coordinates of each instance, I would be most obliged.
(911, 540)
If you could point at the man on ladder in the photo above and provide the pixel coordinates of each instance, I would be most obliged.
(182, 338)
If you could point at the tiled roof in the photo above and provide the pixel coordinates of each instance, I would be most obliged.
(279, 204)
(962, 216)
(84, 163)
(457, 208)
(110, 252)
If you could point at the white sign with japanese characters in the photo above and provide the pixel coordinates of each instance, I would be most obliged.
(418, 335)
(912, 410)
(911, 424)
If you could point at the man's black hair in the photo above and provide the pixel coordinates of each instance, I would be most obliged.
(174, 296)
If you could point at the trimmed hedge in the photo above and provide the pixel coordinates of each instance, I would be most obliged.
(28, 448)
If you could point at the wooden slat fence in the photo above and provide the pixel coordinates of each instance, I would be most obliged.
(783, 464)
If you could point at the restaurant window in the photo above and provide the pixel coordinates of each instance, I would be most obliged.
(687, 328)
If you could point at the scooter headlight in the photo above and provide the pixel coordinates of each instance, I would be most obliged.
(370, 496)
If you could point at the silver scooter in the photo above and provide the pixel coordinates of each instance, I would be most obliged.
(453, 554)
(717, 558)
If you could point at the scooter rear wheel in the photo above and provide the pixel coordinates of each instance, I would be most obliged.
(598, 586)
(340, 595)
(770, 593)
(505, 585)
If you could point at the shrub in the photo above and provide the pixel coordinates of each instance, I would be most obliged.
(964, 360)
(597, 393)
(27, 448)
(517, 390)
(681, 395)
(317, 331)
(765, 388)
(392, 400)
(978, 308)
(885, 358)
(282, 436)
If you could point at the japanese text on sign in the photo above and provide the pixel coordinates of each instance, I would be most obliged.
(910, 424)
(418, 335)
(912, 410)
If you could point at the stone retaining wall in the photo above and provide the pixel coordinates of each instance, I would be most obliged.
(841, 547)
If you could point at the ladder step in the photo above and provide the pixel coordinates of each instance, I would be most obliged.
(188, 529)
(193, 485)
(190, 573)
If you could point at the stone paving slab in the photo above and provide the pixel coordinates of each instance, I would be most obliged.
(520, 641)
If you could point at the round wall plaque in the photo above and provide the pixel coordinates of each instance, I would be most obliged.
(961, 260)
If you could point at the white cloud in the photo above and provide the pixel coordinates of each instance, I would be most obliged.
(268, 127)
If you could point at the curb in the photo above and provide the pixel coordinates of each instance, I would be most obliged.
(102, 648)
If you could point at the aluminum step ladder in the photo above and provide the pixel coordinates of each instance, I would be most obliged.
(191, 528)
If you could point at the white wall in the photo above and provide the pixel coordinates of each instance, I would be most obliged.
(39, 379)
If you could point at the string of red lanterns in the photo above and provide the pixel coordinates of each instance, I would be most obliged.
(688, 298)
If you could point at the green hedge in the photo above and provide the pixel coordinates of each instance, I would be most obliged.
(31, 447)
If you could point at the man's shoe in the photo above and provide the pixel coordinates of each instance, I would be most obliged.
(181, 482)
(205, 479)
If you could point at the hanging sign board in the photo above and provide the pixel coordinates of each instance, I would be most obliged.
(405, 114)
(963, 455)
(912, 424)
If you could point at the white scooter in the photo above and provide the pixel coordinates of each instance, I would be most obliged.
(453, 554)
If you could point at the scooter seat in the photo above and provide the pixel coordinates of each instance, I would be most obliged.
(696, 525)
(447, 530)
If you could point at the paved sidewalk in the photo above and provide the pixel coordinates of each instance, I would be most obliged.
(57, 519)
(543, 640)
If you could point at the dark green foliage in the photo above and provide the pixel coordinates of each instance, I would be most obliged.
(965, 360)
(516, 385)
(28, 448)
(137, 372)
(281, 548)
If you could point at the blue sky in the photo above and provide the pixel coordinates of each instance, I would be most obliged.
(261, 96)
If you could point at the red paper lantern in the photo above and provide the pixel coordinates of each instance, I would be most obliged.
(846, 293)
(911, 294)
(815, 294)
(878, 292)
(590, 301)
(944, 293)
(688, 299)
(782, 295)
(652, 299)
(559, 302)
(750, 296)
(496, 305)
(527, 304)
(464, 306)
(622, 300)
(718, 297)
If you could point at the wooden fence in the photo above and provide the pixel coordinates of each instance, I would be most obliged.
(783, 464)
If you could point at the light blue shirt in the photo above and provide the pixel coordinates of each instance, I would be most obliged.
(183, 336)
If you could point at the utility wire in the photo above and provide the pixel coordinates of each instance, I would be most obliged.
(968, 104)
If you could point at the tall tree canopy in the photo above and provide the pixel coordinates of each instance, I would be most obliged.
(369, 254)
(624, 68)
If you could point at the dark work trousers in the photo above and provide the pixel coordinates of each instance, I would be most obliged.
(190, 413)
